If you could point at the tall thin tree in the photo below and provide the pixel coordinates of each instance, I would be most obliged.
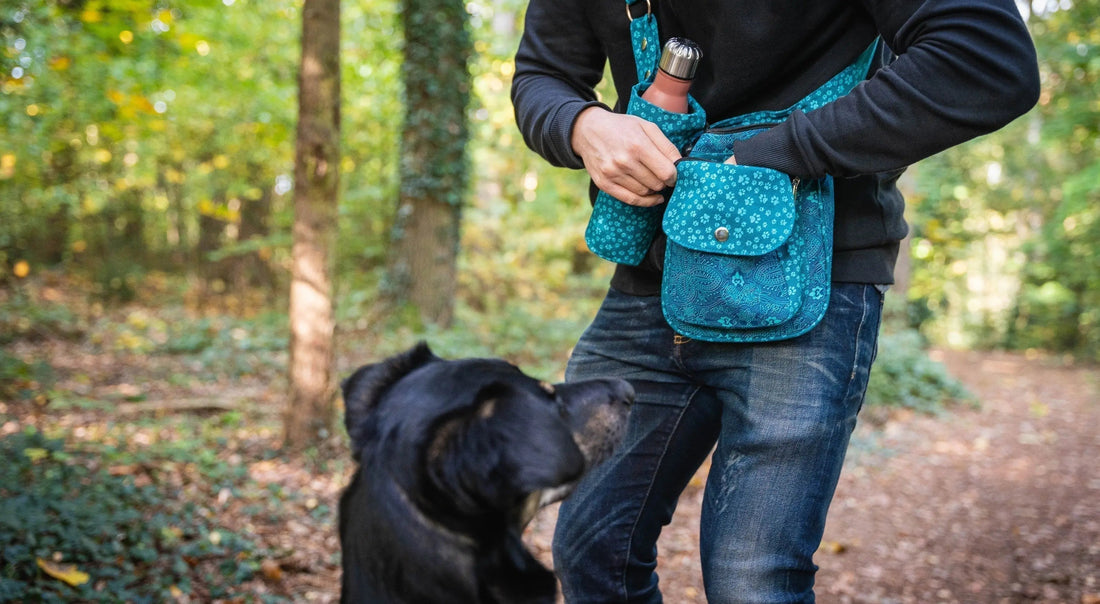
(316, 178)
(434, 165)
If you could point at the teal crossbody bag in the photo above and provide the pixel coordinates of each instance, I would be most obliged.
(749, 252)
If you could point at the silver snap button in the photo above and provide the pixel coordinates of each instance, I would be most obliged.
(721, 233)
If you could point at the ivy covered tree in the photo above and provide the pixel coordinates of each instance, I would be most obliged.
(434, 170)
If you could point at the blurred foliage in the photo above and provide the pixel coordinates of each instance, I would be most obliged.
(144, 137)
(24, 381)
(904, 377)
(71, 530)
(1005, 227)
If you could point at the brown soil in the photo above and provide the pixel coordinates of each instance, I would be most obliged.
(997, 504)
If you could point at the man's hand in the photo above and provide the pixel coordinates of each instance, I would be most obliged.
(627, 157)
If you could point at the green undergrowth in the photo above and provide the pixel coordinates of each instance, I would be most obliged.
(72, 530)
(905, 377)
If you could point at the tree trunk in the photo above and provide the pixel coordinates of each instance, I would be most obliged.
(250, 268)
(316, 178)
(434, 167)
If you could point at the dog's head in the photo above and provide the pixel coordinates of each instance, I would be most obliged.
(455, 456)
(477, 436)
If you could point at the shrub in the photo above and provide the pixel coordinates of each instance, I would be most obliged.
(21, 381)
(124, 542)
(904, 376)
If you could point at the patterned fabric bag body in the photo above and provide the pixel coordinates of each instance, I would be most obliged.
(749, 252)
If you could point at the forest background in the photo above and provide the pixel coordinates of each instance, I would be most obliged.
(147, 154)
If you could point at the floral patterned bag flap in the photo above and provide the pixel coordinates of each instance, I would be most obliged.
(749, 253)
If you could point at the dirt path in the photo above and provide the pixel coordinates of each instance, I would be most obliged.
(993, 505)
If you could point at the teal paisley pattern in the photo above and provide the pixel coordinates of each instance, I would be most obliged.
(744, 289)
(748, 290)
(749, 253)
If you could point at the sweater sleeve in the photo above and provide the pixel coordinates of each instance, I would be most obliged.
(964, 68)
(558, 64)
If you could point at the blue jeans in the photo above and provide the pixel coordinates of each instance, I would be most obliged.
(778, 417)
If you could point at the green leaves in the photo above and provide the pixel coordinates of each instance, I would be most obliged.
(69, 532)
(1005, 226)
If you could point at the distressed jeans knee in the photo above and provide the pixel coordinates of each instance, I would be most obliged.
(778, 415)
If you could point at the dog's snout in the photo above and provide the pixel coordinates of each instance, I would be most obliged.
(607, 390)
(624, 392)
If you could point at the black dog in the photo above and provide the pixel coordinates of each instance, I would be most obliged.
(455, 457)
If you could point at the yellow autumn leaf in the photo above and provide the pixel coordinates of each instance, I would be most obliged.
(21, 269)
(35, 453)
(68, 573)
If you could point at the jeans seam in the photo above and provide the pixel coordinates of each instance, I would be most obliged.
(649, 491)
(857, 347)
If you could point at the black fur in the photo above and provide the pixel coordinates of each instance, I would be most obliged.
(454, 457)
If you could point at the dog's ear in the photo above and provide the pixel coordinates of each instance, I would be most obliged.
(364, 388)
(506, 444)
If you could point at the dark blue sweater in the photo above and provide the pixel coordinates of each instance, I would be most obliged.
(962, 68)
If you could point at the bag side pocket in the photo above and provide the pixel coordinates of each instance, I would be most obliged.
(620, 232)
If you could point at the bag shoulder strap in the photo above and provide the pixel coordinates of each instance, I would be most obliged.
(645, 40)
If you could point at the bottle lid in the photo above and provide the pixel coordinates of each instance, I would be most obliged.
(680, 57)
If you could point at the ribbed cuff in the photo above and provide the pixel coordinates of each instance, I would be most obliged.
(561, 132)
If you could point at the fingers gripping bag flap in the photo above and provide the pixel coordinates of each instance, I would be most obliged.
(748, 256)
(620, 232)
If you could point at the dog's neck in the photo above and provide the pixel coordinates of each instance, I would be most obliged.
(500, 571)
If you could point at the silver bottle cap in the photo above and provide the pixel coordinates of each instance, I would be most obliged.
(680, 57)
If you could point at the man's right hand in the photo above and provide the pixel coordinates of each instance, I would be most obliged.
(627, 157)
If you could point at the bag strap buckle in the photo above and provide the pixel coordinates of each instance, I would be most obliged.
(648, 9)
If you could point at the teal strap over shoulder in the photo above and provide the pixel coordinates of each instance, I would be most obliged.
(644, 37)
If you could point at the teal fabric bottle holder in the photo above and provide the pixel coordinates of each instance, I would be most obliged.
(617, 231)
(620, 232)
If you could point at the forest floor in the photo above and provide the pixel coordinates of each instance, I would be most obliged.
(996, 503)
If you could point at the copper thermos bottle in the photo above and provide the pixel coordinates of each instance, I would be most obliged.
(675, 71)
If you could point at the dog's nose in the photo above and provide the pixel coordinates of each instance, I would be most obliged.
(623, 391)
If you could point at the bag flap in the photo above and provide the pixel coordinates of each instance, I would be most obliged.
(728, 209)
